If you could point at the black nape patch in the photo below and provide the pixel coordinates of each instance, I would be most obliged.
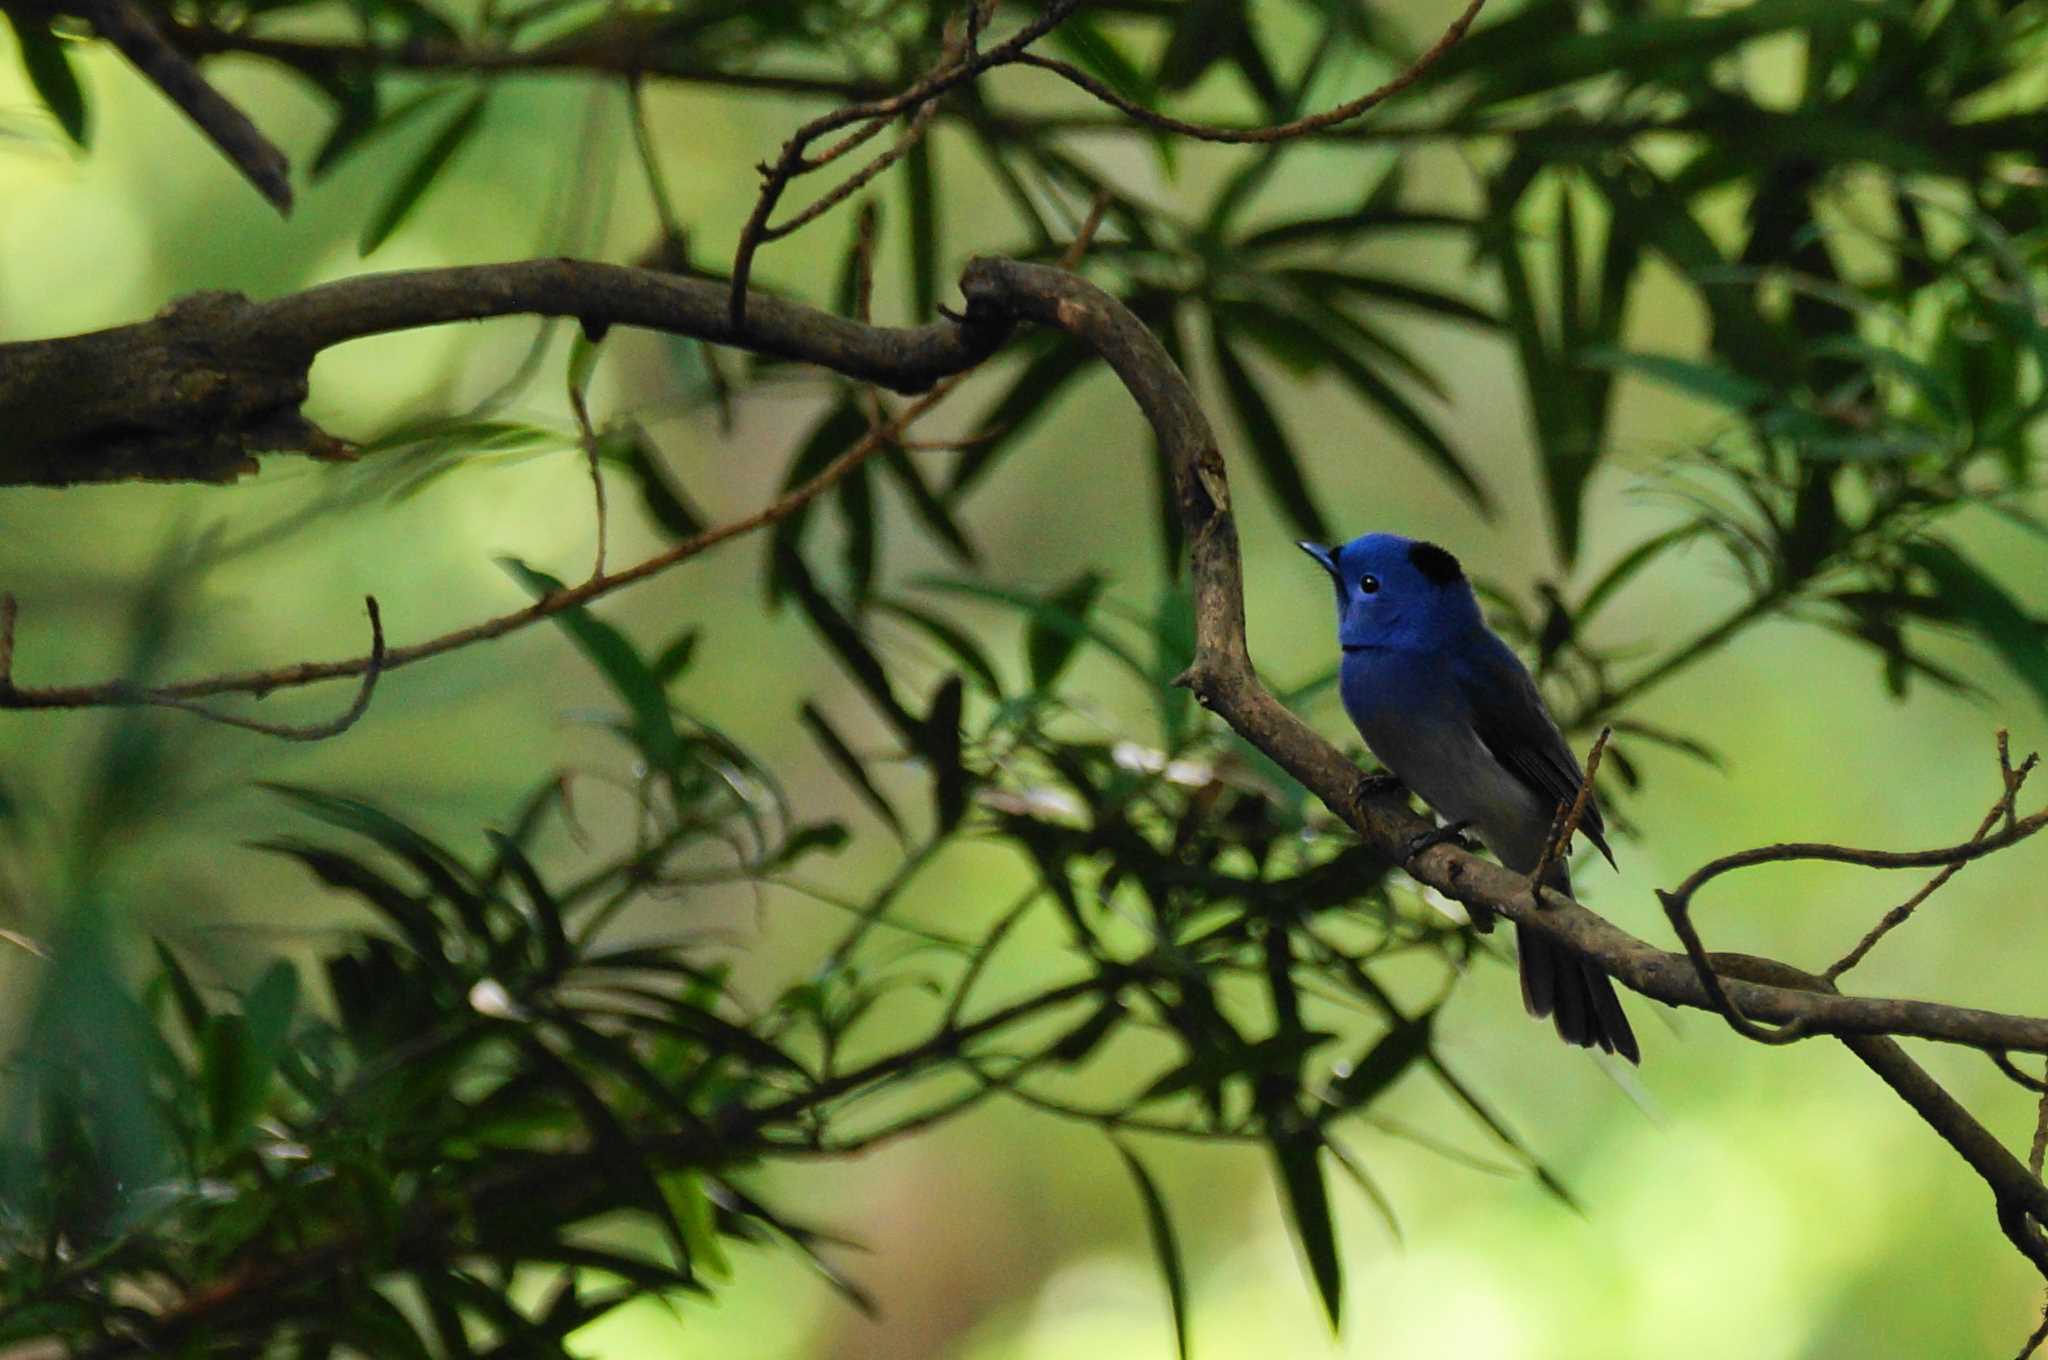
(1436, 564)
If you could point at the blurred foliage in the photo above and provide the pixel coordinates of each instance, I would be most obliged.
(416, 1168)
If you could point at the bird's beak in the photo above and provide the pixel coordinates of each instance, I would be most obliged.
(1320, 554)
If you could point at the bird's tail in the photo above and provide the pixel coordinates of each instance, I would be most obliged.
(1565, 984)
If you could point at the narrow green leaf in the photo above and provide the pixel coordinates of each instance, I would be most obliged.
(941, 748)
(1720, 386)
(1057, 362)
(1381, 1065)
(675, 658)
(631, 678)
(1165, 1245)
(547, 912)
(844, 639)
(849, 765)
(1048, 645)
(836, 432)
(192, 1009)
(1378, 393)
(921, 192)
(48, 67)
(1633, 561)
(424, 172)
(1380, 288)
(1271, 450)
(954, 640)
(1306, 1200)
(2020, 639)
(1046, 615)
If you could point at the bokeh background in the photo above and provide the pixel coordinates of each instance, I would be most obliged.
(1737, 1200)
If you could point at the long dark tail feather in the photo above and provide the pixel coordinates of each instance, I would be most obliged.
(1579, 997)
(1560, 983)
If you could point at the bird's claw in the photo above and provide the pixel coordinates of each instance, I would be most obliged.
(1451, 834)
(1370, 786)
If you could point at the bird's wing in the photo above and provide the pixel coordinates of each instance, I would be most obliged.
(1509, 716)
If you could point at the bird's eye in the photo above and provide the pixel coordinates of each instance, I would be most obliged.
(1369, 584)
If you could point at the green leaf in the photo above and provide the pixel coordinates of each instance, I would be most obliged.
(547, 912)
(955, 641)
(1381, 1065)
(692, 1209)
(921, 191)
(845, 641)
(443, 873)
(627, 445)
(925, 502)
(941, 747)
(192, 1009)
(424, 172)
(675, 658)
(849, 765)
(1165, 1245)
(1047, 615)
(1057, 362)
(631, 678)
(1270, 447)
(2020, 639)
(836, 432)
(1631, 562)
(1055, 631)
(410, 914)
(1306, 1200)
(1204, 32)
(856, 501)
(1709, 382)
(238, 1055)
(1380, 288)
(48, 67)
(1371, 388)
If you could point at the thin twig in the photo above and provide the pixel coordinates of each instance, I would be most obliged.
(1681, 922)
(122, 694)
(2040, 1334)
(1677, 904)
(333, 727)
(586, 435)
(2040, 1147)
(1896, 917)
(1566, 823)
(792, 162)
(2004, 1063)
(1085, 237)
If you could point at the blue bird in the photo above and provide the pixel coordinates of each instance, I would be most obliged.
(1450, 711)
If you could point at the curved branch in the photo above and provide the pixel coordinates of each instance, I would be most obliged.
(1223, 678)
(192, 393)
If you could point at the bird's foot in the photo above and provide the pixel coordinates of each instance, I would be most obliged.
(1450, 834)
(1370, 786)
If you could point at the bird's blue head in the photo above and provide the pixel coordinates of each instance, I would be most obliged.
(1397, 593)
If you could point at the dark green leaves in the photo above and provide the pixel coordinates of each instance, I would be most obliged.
(1984, 606)
(1165, 1245)
(424, 173)
(48, 68)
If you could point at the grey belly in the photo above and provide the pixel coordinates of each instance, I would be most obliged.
(1450, 769)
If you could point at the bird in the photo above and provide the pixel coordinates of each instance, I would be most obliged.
(1452, 713)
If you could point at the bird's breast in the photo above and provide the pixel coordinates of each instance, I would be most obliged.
(1408, 708)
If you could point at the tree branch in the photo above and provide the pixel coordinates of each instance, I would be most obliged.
(192, 393)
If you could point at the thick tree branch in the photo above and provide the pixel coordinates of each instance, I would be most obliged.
(192, 393)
